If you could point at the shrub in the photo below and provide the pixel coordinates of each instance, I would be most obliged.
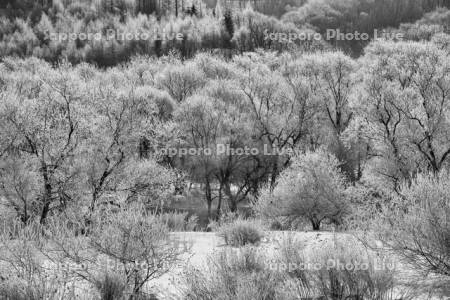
(346, 271)
(417, 226)
(225, 218)
(111, 286)
(313, 188)
(25, 272)
(359, 279)
(290, 255)
(133, 236)
(240, 233)
(232, 275)
(442, 41)
(176, 221)
(132, 243)
(281, 223)
(20, 291)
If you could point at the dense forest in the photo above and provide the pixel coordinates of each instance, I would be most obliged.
(111, 147)
(39, 30)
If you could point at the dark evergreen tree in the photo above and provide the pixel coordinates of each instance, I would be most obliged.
(229, 28)
(193, 10)
(228, 22)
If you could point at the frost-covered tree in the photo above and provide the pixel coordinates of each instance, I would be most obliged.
(312, 189)
(74, 138)
(405, 99)
(200, 123)
(281, 103)
(181, 81)
(43, 111)
(332, 77)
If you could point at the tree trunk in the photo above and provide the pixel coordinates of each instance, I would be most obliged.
(93, 201)
(23, 215)
(209, 209)
(233, 206)
(219, 203)
(232, 202)
(46, 199)
(274, 175)
(315, 224)
(208, 196)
